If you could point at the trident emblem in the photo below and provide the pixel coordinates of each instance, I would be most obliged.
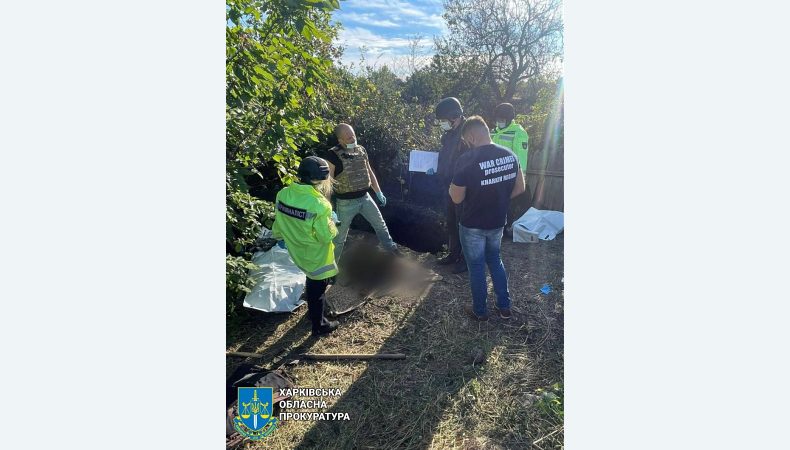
(256, 407)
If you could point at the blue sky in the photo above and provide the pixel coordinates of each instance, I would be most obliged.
(385, 27)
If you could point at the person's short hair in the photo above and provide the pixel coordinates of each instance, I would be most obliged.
(340, 126)
(474, 123)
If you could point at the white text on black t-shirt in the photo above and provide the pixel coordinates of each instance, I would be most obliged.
(492, 166)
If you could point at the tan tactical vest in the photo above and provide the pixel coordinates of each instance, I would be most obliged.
(354, 176)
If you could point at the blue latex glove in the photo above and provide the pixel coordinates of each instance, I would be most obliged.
(335, 219)
(382, 198)
(281, 244)
(430, 171)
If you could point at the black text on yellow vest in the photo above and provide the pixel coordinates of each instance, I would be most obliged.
(354, 176)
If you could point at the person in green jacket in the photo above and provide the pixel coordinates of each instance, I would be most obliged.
(514, 137)
(306, 225)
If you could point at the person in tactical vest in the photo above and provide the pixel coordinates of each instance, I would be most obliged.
(306, 225)
(350, 168)
(513, 137)
(450, 116)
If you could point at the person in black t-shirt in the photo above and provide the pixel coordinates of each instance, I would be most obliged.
(485, 180)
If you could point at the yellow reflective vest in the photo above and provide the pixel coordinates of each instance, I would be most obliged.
(515, 138)
(303, 219)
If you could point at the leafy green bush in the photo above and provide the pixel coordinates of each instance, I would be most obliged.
(237, 281)
(279, 54)
(244, 216)
(550, 402)
(536, 121)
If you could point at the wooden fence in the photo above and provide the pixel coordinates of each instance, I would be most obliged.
(545, 178)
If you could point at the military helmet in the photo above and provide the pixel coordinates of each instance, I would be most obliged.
(505, 111)
(448, 109)
(313, 169)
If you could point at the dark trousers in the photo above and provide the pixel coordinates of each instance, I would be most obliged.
(315, 302)
(453, 216)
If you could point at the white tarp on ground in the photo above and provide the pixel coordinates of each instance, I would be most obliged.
(278, 282)
(534, 223)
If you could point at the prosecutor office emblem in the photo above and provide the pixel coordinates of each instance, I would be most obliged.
(255, 418)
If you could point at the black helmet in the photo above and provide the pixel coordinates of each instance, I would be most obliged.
(448, 109)
(505, 111)
(313, 169)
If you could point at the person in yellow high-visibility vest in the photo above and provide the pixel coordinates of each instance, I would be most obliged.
(306, 225)
(514, 137)
(510, 134)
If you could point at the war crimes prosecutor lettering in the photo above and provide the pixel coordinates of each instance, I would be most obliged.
(497, 165)
(492, 166)
(497, 179)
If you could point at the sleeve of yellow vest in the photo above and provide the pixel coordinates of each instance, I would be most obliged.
(521, 148)
(325, 229)
(276, 231)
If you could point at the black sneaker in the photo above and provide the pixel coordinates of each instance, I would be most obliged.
(460, 267)
(470, 312)
(326, 329)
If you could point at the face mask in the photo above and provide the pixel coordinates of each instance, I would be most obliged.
(501, 124)
(351, 145)
(445, 125)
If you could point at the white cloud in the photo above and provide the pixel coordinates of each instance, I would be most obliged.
(399, 64)
(355, 37)
(400, 12)
(367, 19)
(381, 50)
(395, 22)
(434, 20)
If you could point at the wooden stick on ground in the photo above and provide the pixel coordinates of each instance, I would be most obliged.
(326, 357)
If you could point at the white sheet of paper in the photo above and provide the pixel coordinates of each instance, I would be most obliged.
(421, 161)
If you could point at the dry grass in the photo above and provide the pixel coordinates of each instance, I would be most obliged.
(464, 385)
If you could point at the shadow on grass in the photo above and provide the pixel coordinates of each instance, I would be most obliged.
(399, 404)
(437, 393)
(253, 329)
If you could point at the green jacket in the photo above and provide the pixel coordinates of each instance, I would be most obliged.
(515, 138)
(303, 220)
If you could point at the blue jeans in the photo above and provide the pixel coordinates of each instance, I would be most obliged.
(348, 209)
(481, 248)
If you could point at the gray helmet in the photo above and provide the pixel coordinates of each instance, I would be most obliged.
(505, 111)
(448, 109)
(313, 169)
